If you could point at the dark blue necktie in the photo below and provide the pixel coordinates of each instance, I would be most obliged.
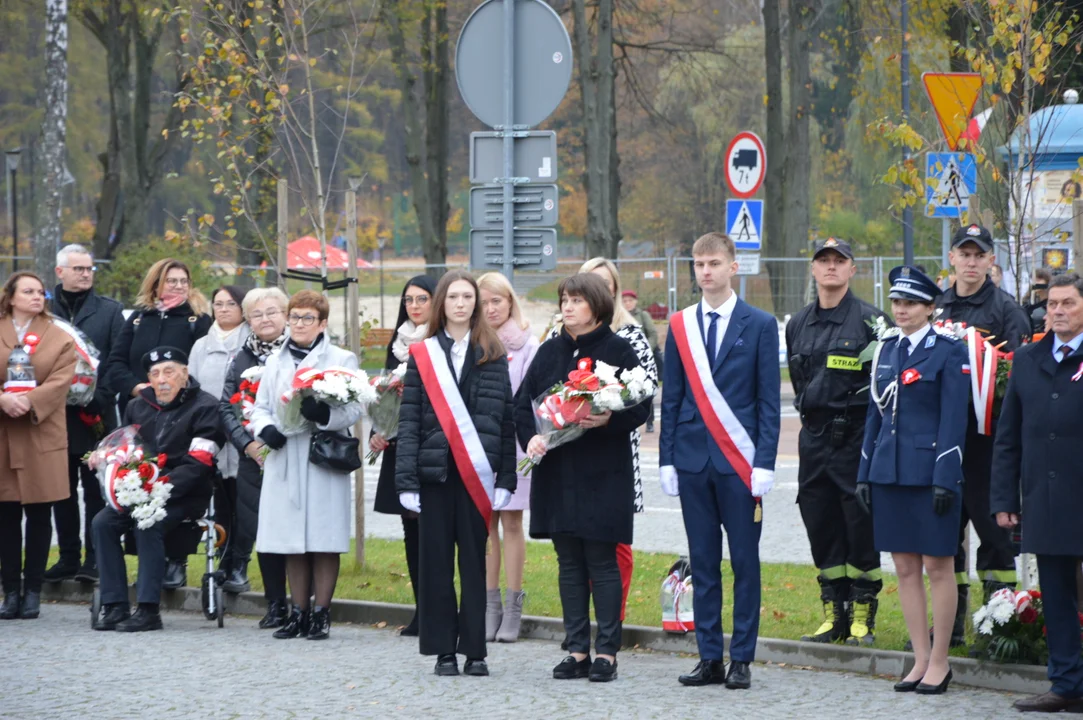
(712, 337)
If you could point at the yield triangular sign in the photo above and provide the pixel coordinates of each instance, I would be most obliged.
(953, 96)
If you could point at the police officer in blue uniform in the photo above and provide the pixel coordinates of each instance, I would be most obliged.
(911, 473)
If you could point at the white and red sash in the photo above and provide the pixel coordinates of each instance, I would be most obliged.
(724, 427)
(983, 378)
(451, 412)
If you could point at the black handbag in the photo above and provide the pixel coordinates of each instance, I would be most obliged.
(335, 451)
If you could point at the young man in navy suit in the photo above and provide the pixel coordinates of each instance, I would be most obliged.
(720, 427)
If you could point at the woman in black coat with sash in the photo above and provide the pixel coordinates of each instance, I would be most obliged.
(582, 493)
(412, 325)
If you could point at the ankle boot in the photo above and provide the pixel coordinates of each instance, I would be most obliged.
(237, 580)
(297, 624)
(513, 617)
(277, 613)
(9, 610)
(320, 623)
(494, 613)
(835, 625)
(31, 605)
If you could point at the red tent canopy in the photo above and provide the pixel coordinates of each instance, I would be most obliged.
(304, 254)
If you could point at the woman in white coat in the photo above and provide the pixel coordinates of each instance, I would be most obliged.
(304, 510)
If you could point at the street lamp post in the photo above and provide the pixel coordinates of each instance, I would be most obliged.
(12, 164)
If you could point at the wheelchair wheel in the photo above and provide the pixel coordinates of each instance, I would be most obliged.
(206, 595)
(220, 605)
(95, 606)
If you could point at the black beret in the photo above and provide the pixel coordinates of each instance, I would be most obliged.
(164, 354)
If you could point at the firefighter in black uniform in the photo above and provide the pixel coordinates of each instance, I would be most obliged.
(824, 342)
(977, 302)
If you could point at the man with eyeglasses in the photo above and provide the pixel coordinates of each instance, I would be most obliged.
(100, 319)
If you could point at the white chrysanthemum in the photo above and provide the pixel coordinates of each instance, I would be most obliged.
(606, 373)
(400, 371)
(253, 374)
(986, 627)
(609, 398)
(1001, 611)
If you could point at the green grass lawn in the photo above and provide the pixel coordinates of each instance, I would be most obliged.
(790, 607)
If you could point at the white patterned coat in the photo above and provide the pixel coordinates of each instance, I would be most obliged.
(302, 508)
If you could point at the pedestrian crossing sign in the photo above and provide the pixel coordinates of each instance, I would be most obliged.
(950, 180)
(744, 223)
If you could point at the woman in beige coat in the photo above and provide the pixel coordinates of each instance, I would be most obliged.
(33, 439)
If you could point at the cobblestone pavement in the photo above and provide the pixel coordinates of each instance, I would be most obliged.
(56, 667)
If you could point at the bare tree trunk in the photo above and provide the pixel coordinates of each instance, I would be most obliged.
(798, 168)
(54, 133)
(596, 88)
(774, 219)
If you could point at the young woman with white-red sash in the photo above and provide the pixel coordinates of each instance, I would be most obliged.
(455, 466)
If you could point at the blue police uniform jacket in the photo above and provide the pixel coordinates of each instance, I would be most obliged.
(918, 437)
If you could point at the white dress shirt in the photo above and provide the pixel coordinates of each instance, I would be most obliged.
(725, 311)
(1074, 343)
(916, 337)
(458, 353)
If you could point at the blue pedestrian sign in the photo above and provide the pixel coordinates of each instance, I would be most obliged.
(744, 223)
(950, 180)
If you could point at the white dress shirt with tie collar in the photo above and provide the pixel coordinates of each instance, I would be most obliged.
(458, 352)
(725, 312)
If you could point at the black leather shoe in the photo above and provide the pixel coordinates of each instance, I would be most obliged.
(571, 669)
(706, 672)
(31, 606)
(277, 612)
(319, 624)
(9, 610)
(88, 572)
(237, 581)
(476, 667)
(923, 689)
(907, 685)
(1049, 702)
(61, 571)
(142, 621)
(447, 666)
(296, 624)
(112, 615)
(411, 629)
(603, 671)
(176, 575)
(739, 676)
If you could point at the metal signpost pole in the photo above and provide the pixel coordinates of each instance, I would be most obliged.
(353, 324)
(904, 66)
(509, 139)
(945, 242)
(283, 234)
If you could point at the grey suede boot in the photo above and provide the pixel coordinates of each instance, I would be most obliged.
(513, 617)
(494, 613)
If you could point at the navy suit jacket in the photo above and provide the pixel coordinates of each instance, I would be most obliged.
(922, 442)
(746, 372)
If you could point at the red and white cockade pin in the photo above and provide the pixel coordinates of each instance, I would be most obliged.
(30, 343)
(1079, 373)
(584, 364)
(910, 376)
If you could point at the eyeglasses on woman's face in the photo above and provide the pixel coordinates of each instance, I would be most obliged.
(269, 315)
(303, 320)
(175, 282)
(419, 300)
(227, 305)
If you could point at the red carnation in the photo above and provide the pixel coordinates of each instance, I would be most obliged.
(1028, 616)
(163, 480)
(1037, 595)
(245, 385)
(148, 486)
(236, 399)
(146, 471)
(162, 460)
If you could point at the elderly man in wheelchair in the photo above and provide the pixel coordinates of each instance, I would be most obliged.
(178, 419)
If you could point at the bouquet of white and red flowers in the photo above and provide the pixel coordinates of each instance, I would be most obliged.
(131, 482)
(1011, 628)
(384, 411)
(336, 386)
(588, 390)
(244, 400)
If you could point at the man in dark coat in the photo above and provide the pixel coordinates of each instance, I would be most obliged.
(100, 319)
(179, 420)
(1038, 481)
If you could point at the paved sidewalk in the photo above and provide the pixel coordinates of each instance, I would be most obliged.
(56, 667)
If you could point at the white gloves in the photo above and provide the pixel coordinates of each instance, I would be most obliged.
(501, 500)
(411, 501)
(667, 474)
(762, 481)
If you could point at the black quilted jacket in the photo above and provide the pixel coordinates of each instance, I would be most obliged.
(423, 455)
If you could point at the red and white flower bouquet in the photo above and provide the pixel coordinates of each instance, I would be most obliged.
(384, 411)
(244, 400)
(336, 386)
(130, 481)
(590, 388)
(1011, 628)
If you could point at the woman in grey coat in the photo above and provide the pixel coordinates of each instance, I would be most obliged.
(208, 363)
(304, 510)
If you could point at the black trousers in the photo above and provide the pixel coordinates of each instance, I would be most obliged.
(586, 566)
(996, 554)
(412, 541)
(448, 519)
(66, 513)
(247, 489)
(109, 527)
(839, 531)
(14, 570)
(1061, 608)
